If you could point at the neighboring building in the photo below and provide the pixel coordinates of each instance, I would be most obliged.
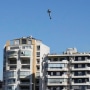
(1, 83)
(67, 71)
(22, 64)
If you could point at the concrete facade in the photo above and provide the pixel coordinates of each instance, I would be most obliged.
(68, 71)
(28, 65)
(22, 68)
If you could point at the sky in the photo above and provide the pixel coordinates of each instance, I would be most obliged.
(69, 26)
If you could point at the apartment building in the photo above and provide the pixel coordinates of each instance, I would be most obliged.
(28, 65)
(22, 64)
(67, 71)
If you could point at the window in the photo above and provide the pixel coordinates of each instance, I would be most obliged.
(10, 88)
(58, 88)
(37, 88)
(38, 61)
(11, 81)
(76, 58)
(58, 73)
(54, 73)
(25, 61)
(24, 41)
(29, 42)
(26, 47)
(38, 47)
(88, 87)
(79, 73)
(51, 73)
(12, 61)
(13, 67)
(62, 59)
(79, 80)
(14, 47)
(37, 81)
(86, 58)
(83, 58)
(12, 53)
(16, 42)
(25, 53)
(79, 65)
(51, 88)
(75, 65)
(11, 74)
(79, 58)
(38, 54)
(38, 68)
(55, 59)
(25, 67)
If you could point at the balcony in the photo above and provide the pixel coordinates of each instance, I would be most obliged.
(24, 89)
(81, 69)
(11, 74)
(85, 83)
(57, 89)
(12, 67)
(24, 74)
(12, 54)
(25, 61)
(81, 76)
(63, 76)
(25, 83)
(57, 69)
(56, 81)
(81, 61)
(25, 54)
(63, 61)
(21, 87)
(57, 84)
(12, 62)
(11, 81)
(25, 67)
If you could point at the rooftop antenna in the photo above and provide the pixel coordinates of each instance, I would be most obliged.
(30, 36)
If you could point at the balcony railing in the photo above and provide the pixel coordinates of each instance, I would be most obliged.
(63, 61)
(13, 68)
(83, 83)
(25, 53)
(25, 83)
(62, 76)
(80, 76)
(14, 63)
(57, 69)
(80, 68)
(11, 54)
(24, 89)
(81, 61)
(57, 83)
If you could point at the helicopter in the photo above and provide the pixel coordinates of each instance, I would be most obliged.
(49, 12)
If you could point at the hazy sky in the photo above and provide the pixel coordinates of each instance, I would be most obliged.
(69, 27)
